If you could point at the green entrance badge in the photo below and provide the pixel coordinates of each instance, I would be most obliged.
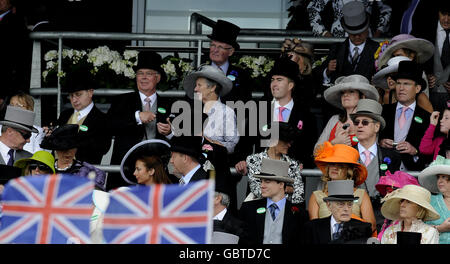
(355, 139)
(383, 167)
(162, 110)
(83, 128)
(261, 210)
(418, 119)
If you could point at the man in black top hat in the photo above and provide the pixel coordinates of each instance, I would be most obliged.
(96, 139)
(187, 158)
(406, 122)
(141, 114)
(356, 54)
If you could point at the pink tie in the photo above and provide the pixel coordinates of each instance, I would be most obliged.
(402, 118)
(147, 104)
(280, 113)
(368, 160)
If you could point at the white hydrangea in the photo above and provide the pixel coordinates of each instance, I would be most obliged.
(102, 55)
(51, 55)
(169, 68)
(129, 73)
(130, 54)
(118, 66)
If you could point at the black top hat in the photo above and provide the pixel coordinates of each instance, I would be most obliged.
(63, 138)
(443, 6)
(189, 145)
(78, 79)
(150, 60)
(225, 32)
(411, 71)
(286, 67)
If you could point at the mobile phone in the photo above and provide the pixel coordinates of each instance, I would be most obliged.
(171, 117)
(345, 126)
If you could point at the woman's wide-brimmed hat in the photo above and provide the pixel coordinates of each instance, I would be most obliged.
(427, 177)
(339, 153)
(209, 72)
(370, 108)
(412, 193)
(40, 156)
(355, 19)
(352, 82)
(147, 148)
(340, 190)
(422, 47)
(225, 32)
(62, 138)
(19, 118)
(380, 78)
(150, 60)
(274, 170)
(396, 180)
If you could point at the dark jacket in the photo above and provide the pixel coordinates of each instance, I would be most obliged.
(231, 225)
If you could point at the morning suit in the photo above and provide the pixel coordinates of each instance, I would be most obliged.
(96, 140)
(232, 225)
(123, 127)
(255, 217)
(200, 174)
(419, 124)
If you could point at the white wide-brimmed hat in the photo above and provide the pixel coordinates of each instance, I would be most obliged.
(412, 193)
(352, 82)
(422, 47)
(19, 118)
(427, 177)
(274, 170)
(380, 78)
(209, 72)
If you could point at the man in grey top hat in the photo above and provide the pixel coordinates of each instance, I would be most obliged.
(273, 219)
(16, 132)
(356, 54)
(339, 227)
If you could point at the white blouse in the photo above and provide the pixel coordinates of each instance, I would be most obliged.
(430, 235)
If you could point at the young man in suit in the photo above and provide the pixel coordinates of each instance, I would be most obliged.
(335, 228)
(406, 122)
(273, 219)
(96, 139)
(138, 115)
(355, 54)
(187, 158)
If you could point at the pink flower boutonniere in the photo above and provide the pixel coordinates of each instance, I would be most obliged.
(207, 147)
(300, 125)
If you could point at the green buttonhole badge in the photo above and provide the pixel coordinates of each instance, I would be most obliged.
(261, 210)
(162, 110)
(83, 128)
(383, 166)
(418, 119)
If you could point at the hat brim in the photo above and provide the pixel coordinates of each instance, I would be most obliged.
(274, 178)
(391, 207)
(333, 94)
(19, 126)
(149, 147)
(376, 117)
(189, 82)
(341, 198)
(427, 177)
(423, 48)
(234, 44)
(22, 163)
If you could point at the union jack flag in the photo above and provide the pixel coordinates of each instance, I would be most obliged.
(160, 214)
(50, 209)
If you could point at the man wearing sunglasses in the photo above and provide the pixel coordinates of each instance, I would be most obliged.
(16, 132)
(369, 122)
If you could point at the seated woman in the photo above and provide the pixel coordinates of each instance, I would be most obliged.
(207, 84)
(42, 162)
(436, 179)
(436, 133)
(340, 162)
(416, 49)
(409, 207)
(64, 141)
(278, 151)
(146, 163)
(345, 95)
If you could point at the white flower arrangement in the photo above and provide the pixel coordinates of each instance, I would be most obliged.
(259, 66)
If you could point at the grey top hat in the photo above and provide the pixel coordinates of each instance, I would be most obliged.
(210, 72)
(340, 190)
(370, 108)
(355, 19)
(274, 170)
(19, 118)
(354, 82)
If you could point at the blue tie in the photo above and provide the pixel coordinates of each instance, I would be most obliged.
(272, 208)
(11, 157)
(337, 232)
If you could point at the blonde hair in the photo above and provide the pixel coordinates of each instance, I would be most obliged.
(421, 212)
(25, 100)
(346, 171)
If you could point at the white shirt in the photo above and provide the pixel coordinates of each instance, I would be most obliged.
(440, 37)
(152, 101)
(220, 215)
(373, 151)
(188, 176)
(4, 152)
(276, 106)
(224, 66)
(85, 111)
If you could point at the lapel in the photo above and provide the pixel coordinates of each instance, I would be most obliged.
(260, 219)
(418, 126)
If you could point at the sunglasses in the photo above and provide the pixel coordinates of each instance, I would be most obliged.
(42, 167)
(364, 122)
(25, 134)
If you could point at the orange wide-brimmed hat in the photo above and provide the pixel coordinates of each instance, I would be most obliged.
(339, 153)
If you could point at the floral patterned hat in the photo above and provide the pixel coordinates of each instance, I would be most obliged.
(339, 153)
